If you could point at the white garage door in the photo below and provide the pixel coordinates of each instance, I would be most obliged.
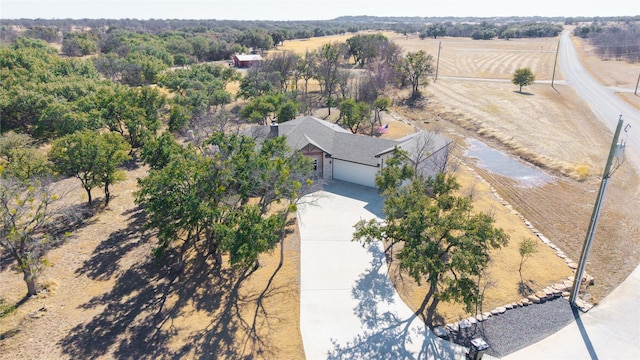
(354, 173)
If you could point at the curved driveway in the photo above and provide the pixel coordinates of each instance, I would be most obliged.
(348, 306)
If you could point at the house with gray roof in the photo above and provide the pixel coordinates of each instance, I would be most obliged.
(339, 154)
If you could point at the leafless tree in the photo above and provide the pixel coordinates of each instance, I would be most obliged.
(427, 158)
(284, 63)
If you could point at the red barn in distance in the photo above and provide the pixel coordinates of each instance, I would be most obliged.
(246, 60)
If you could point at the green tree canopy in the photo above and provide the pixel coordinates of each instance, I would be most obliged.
(365, 48)
(159, 152)
(434, 30)
(354, 113)
(223, 201)
(382, 103)
(92, 158)
(442, 241)
(415, 67)
(523, 77)
(19, 160)
(263, 108)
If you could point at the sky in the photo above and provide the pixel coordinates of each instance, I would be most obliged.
(307, 9)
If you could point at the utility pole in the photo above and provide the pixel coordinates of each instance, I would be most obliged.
(555, 62)
(615, 151)
(438, 61)
(637, 82)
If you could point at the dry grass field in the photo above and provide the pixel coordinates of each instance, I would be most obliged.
(489, 59)
(607, 72)
(303, 45)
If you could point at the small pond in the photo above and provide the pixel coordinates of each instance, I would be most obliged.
(499, 163)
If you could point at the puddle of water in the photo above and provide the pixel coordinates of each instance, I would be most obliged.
(499, 163)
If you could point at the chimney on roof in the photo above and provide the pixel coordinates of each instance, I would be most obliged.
(273, 129)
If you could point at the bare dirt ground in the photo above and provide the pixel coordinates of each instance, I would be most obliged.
(107, 297)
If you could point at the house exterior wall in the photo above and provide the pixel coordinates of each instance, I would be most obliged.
(327, 169)
(316, 155)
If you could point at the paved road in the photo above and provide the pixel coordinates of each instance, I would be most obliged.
(348, 307)
(603, 100)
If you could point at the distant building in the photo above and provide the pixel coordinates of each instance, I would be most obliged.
(246, 60)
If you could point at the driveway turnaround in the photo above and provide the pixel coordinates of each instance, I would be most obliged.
(611, 330)
(348, 306)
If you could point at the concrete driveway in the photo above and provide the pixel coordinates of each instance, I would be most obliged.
(348, 306)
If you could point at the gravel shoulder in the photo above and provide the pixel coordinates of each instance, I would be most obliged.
(518, 328)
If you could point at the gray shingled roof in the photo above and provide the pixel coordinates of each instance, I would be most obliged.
(344, 145)
(360, 149)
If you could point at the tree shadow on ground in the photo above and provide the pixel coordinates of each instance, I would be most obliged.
(104, 261)
(417, 101)
(143, 315)
(525, 287)
(523, 93)
(386, 334)
(133, 163)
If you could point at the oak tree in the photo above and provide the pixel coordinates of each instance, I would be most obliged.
(25, 214)
(219, 198)
(441, 240)
(523, 77)
(415, 67)
(92, 158)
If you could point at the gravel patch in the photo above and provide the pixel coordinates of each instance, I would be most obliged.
(518, 328)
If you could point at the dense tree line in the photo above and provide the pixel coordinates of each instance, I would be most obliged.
(217, 39)
(48, 96)
(95, 125)
(619, 42)
(489, 30)
(200, 96)
(188, 41)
